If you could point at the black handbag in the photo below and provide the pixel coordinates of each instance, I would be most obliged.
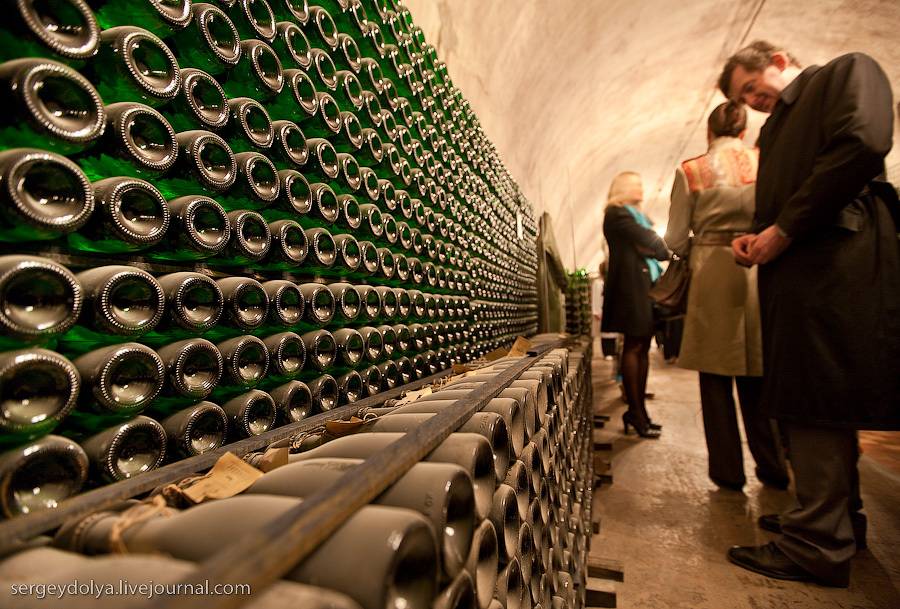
(670, 291)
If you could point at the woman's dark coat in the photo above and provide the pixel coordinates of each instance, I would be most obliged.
(830, 303)
(626, 305)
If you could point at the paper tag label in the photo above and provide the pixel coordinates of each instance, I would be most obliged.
(521, 347)
(412, 396)
(343, 428)
(228, 477)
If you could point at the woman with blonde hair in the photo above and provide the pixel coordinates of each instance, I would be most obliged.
(634, 249)
(713, 198)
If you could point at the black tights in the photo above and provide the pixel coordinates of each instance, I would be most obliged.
(635, 365)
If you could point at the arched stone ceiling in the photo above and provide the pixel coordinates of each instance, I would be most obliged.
(573, 91)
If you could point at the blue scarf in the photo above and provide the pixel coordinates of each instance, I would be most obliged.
(652, 264)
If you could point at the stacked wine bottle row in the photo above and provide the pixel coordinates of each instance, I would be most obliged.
(578, 304)
(498, 515)
(216, 218)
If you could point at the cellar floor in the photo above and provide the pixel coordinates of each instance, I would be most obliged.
(670, 526)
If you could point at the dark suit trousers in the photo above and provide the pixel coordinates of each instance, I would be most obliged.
(723, 438)
(820, 532)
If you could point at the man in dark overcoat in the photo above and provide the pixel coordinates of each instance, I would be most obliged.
(829, 287)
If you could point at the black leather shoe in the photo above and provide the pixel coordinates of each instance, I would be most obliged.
(770, 561)
(772, 523)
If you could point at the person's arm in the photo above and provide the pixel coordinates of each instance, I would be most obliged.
(621, 222)
(680, 214)
(857, 116)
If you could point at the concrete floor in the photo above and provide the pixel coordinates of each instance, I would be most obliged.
(671, 526)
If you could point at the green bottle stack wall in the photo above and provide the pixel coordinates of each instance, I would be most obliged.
(217, 218)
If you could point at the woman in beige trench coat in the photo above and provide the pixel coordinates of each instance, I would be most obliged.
(713, 198)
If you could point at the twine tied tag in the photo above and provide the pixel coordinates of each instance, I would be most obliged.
(228, 477)
(521, 347)
(344, 428)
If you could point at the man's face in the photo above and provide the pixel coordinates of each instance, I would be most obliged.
(759, 89)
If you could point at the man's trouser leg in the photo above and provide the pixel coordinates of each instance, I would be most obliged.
(817, 534)
(723, 438)
(761, 432)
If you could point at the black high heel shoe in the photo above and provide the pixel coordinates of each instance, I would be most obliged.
(644, 431)
(655, 426)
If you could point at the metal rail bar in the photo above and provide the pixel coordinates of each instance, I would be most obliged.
(262, 556)
(18, 530)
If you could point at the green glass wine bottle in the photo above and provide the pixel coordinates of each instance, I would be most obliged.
(257, 185)
(321, 29)
(65, 30)
(348, 256)
(162, 17)
(371, 376)
(205, 165)
(287, 355)
(324, 391)
(131, 215)
(326, 123)
(294, 197)
(41, 300)
(298, 99)
(123, 450)
(139, 143)
(194, 430)
(370, 304)
(291, 10)
(254, 19)
(348, 91)
(318, 308)
(347, 55)
(246, 363)
(119, 301)
(349, 138)
(118, 382)
(323, 160)
(368, 256)
(374, 343)
(245, 308)
(347, 301)
(288, 149)
(250, 126)
(286, 304)
(39, 389)
(290, 246)
(210, 42)
(134, 65)
(258, 74)
(390, 374)
(292, 45)
(48, 104)
(250, 242)
(194, 305)
(349, 179)
(201, 103)
(350, 214)
(322, 251)
(293, 401)
(321, 350)
(369, 186)
(250, 414)
(199, 229)
(350, 387)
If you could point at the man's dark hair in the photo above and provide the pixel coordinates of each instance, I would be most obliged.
(755, 56)
(728, 119)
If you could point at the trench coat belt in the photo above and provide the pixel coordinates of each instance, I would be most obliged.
(718, 237)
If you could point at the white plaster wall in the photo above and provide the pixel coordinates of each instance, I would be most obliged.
(573, 91)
